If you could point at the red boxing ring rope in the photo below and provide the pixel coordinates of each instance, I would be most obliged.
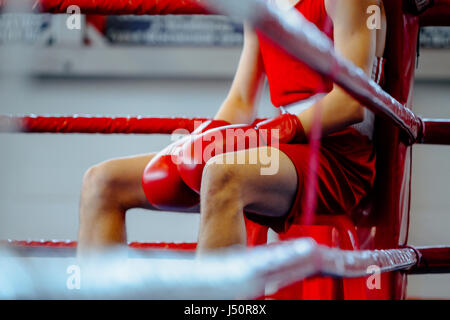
(88, 124)
(114, 7)
(93, 124)
(53, 248)
(50, 244)
(437, 15)
(435, 131)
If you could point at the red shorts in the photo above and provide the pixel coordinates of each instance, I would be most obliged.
(346, 174)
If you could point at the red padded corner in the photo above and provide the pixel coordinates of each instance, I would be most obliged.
(317, 288)
(392, 190)
(335, 231)
(350, 289)
(256, 233)
(386, 225)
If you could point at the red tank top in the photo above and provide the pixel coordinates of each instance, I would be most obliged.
(289, 79)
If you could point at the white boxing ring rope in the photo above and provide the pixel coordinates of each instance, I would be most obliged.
(228, 274)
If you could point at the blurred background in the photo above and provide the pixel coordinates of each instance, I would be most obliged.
(160, 66)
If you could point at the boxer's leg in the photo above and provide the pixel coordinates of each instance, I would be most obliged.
(109, 190)
(229, 188)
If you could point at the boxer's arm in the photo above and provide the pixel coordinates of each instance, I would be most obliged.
(240, 105)
(356, 42)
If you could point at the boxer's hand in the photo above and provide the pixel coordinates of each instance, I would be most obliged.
(289, 129)
(162, 184)
(195, 153)
(161, 181)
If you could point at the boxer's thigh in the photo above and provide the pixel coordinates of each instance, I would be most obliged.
(265, 177)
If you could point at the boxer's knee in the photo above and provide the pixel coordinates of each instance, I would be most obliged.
(103, 183)
(222, 183)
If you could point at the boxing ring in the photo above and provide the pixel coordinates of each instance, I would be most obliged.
(329, 257)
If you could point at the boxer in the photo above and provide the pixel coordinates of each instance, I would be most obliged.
(228, 192)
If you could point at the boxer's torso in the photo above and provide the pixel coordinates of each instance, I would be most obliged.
(291, 82)
(289, 79)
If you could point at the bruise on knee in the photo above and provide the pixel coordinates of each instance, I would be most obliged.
(103, 185)
(221, 184)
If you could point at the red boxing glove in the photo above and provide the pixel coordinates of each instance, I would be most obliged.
(161, 181)
(210, 124)
(163, 186)
(289, 126)
(195, 153)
